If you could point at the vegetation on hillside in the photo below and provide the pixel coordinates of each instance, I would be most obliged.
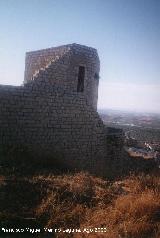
(126, 208)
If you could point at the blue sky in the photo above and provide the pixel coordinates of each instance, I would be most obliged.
(125, 32)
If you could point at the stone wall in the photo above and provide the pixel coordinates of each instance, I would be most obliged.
(49, 121)
(50, 117)
(59, 67)
(39, 59)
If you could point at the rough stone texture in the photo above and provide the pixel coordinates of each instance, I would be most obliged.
(49, 116)
(59, 66)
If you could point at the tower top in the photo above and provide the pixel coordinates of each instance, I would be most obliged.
(73, 67)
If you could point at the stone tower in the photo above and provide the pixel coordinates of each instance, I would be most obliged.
(53, 114)
(74, 68)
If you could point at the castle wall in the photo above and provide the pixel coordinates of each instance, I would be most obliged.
(50, 117)
(36, 60)
(49, 121)
(59, 67)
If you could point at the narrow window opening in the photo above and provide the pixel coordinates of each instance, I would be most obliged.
(81, 74)
(96, 76)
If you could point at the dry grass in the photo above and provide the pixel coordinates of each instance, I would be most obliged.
(129, 216)
(129, 208)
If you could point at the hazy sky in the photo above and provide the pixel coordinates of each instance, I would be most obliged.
(125, 32)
